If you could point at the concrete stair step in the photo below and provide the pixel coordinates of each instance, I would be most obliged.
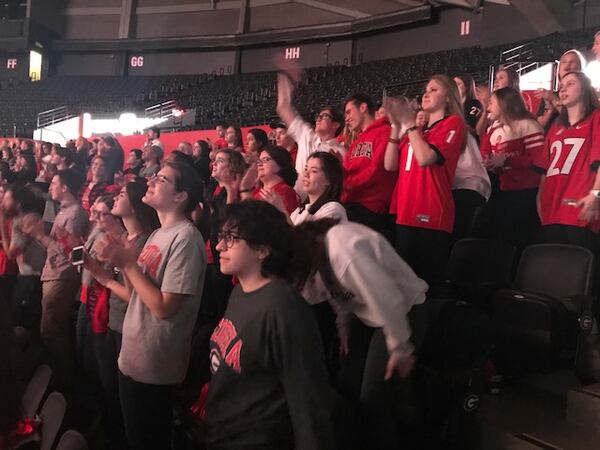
(583, 406)
(533, 415)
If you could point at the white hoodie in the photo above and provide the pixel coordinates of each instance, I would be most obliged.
(380, 288)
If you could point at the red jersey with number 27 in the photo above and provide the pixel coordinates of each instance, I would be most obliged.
(423, 196)
(569, 161)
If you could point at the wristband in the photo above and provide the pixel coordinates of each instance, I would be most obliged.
(413, 128)
(243, 191)
(394, 141)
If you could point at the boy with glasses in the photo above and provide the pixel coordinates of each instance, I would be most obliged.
(328, 123)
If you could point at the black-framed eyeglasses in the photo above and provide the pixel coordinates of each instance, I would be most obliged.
(228, 238)
(264, 160)
(321, 116)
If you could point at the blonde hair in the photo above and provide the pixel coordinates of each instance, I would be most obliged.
(454, 104)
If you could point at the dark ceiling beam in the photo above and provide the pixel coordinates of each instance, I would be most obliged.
(544, 17)
(297, 35)
(355, 14)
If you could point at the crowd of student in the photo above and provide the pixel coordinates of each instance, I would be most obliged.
(296, 264)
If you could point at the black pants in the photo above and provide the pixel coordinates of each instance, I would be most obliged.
(108, 347)
(361, 378)
(571, 235)
(466, 204)
(325, 316)
(27, 302)
(425, 251)
(359, 214)
(515, 219)
(147, 413)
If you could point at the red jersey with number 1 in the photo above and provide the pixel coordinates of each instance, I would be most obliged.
(423, 196)
(569, 161)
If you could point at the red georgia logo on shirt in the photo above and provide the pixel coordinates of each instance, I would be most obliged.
(228, 347)
(363, 149)
(150, 259)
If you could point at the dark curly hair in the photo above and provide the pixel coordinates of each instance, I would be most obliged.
(261, 225)
(309, 255)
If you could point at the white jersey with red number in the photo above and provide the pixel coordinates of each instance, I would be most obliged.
(423, 196)
(569, 162)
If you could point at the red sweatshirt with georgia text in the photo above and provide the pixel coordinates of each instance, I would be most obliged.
(365, 179)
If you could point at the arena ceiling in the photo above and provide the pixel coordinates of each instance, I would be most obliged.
(361, 9)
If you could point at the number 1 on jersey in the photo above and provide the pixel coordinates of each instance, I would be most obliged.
(409, 158)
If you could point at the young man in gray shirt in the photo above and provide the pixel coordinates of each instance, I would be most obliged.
(166, 280)
(60, 279)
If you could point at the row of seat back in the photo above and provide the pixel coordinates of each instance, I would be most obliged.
(537, 319)
(51, 414)
(534, 316)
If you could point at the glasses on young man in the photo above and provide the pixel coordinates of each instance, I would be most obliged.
(161, 179)
(228, 238)
(323, 116)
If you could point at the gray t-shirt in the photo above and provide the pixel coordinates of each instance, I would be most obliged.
(32, 254)
(157, 351)
(74, 220)
(118, 307)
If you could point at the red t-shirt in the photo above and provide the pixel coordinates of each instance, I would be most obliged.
(365, 179)
(221, 143)
(569, 162)
(287, 193)
(423, 196)
(7, 266)
(522, 142)
(294, 153)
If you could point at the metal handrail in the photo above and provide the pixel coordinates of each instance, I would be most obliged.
(162, 110)
(52, 116)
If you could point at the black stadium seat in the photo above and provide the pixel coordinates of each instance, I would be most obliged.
(536, 320)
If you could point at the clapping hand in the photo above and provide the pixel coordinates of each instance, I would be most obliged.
(250, 178)
(64, 236)
(95, 268)
(32, 225)
(118, 252)
(289, 68)
(496, 160)
(274, 199)
(400, 112)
